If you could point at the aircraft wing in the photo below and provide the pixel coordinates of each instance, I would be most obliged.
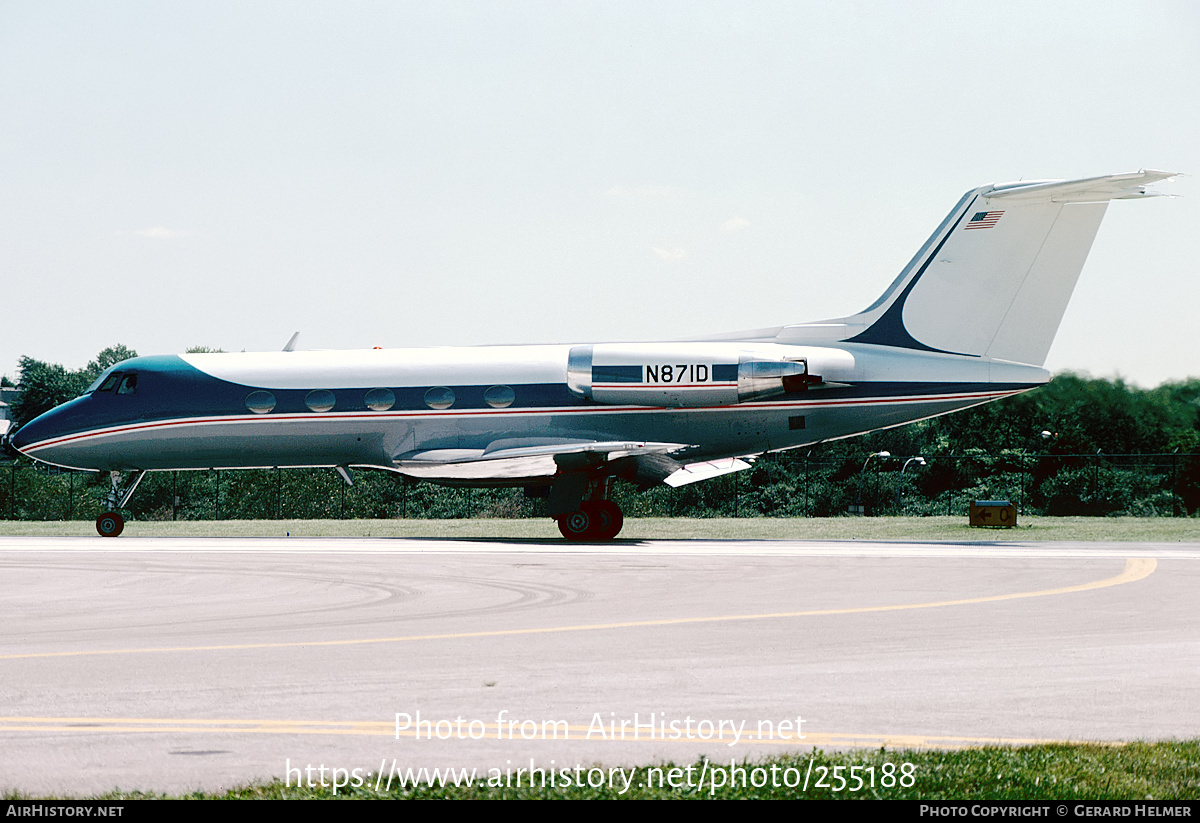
(524, 458)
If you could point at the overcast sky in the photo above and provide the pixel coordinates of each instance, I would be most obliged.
(223, 174)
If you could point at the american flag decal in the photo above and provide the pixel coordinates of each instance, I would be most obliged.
(984, 220)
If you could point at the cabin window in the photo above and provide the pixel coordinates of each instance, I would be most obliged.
(260, 402)
(499, 397)
(380, 399)
(439, 397)
(319, 400)
(128, 384)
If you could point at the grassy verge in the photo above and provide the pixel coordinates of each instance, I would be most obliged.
(1138, 771)
(1135, 529)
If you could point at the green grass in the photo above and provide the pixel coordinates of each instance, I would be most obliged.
(1137, 771)
(1122, 529)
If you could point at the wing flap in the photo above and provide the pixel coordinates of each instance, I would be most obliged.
(694, 472)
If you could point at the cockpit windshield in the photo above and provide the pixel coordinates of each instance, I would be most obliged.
(108, 381)
(96, 383)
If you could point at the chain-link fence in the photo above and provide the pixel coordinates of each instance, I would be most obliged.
(782, 485)
(30, 492)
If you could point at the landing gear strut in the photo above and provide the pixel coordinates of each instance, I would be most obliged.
(111, 524)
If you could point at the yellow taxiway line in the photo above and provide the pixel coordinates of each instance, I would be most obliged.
(1135, 569)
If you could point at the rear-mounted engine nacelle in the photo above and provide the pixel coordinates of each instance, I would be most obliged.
(681, 374)
(766, 378)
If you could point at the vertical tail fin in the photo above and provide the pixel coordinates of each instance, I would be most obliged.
(995, 278)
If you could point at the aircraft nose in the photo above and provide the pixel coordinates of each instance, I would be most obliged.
(40, 431)
(58, 436)
(32, 432)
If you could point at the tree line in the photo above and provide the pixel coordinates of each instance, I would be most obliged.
(1078, 445)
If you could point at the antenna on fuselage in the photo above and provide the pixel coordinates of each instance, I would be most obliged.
(291, 344)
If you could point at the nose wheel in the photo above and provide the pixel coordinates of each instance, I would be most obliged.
(594, 520)
(110, 524)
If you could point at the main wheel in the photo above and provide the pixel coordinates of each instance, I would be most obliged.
(594, 520)
(607, 519)
(577, 525)
(110, 524)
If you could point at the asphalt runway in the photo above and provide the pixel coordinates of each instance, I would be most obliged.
(172, 664)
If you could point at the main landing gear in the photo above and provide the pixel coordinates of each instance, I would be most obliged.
(593, 520)
(111, 524)
(579, 501)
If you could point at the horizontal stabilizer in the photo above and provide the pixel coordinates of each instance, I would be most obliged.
(1128, 186)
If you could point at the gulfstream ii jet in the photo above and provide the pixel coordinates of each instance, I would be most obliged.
(968, 320)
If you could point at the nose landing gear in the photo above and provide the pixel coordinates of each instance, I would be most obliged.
(111, 524)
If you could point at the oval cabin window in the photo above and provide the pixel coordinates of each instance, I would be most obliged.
(439, 397)
(380, 399)
(499, 397)
(260, 402)
(319, 400)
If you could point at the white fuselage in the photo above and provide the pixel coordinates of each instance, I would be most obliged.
(535, 401)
